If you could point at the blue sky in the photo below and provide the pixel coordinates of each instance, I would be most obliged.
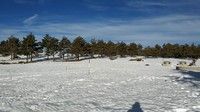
(144, 21)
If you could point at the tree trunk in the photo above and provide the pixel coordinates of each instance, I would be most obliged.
(11, 56)
(14, 55)
(31, 57)
(53, 57)
(63, 56)
(78, 57)
(101, 55)
(47, 57)
(27, 58)
(92, 55)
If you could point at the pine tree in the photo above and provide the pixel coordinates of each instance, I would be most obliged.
(101, 48)
(51, 45)
(111, 49)
(13, 46)
(54, 46)
(4, 48)
(147, 51)
(28, 46)
(94, 48)
(140, 48)
(156, 51)
(122, 49)
(132, 49)
(88, 50)
(46, 43)
(78, 46)
(64, 46)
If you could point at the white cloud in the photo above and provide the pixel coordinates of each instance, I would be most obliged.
(30, 20)
(168, 28)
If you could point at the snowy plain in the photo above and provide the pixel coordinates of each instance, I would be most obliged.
(102, 85)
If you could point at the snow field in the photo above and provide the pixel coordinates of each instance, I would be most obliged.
(99, 86)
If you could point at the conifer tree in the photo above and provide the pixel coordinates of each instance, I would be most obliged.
(28, 46)
(4, 48)
(122, 49)
(51, 45)
(101, 48)
(94, 48)
(78, 46)
(132, 49)
(54, 46)
(111, 49)
(13, 46)
(64, 46)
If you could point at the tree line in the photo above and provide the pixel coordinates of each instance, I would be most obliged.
(29, 46)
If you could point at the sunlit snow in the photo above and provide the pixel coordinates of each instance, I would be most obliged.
(99, 86)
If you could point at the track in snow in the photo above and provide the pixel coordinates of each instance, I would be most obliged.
(102, 85)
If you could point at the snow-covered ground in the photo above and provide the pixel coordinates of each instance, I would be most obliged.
(99, 86)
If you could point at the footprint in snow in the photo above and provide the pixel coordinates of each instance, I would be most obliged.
(182, 88)
(89, 85)
(80, 80)
(194, 94)
(44, 98)
(187, 91)
(55, 91)
(33, 107)
(180, 110)
(129, 80)
(196, 107)
(176, 83)
(123, 82)
(107, 84)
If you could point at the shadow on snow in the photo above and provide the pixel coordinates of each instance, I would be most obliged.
(135, 108)
(194, 78)
(189, 77)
